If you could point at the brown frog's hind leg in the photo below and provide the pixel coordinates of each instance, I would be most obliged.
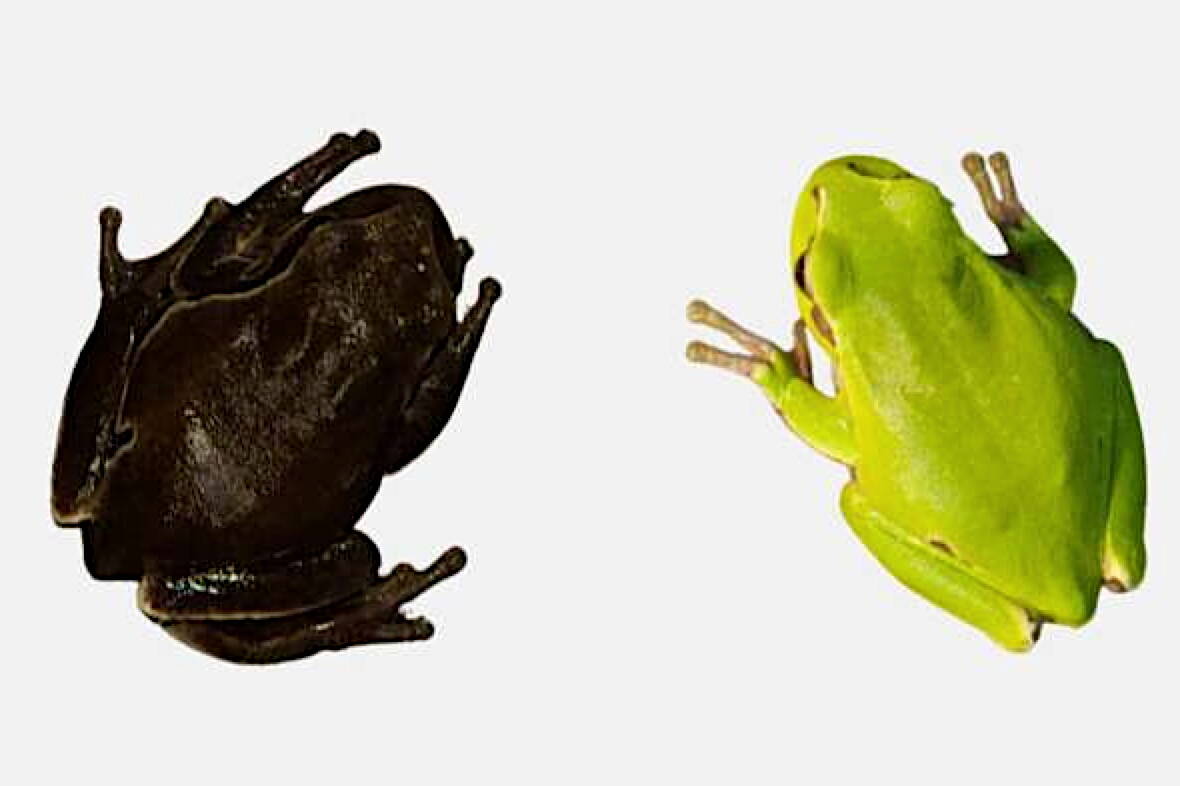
(330, 601)
(438, 391)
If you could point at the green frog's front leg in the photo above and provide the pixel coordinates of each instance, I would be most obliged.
(1030, 250)
(785, 378)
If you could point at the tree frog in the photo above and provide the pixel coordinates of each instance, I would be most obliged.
(995, 453)
(243, 393)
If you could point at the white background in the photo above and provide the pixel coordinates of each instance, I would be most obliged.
(661, 588)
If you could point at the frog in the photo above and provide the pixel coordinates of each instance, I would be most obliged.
(995, 454)
(241, 397)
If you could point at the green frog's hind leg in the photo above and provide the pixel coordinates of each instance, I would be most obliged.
(1124, 556)
(326, 602)
(931, 571)
(1031, 251)
(438, 391)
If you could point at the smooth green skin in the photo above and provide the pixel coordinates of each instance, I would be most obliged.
(995, 450)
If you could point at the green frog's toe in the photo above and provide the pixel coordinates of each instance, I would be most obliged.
(766, 359)
(1004, 210)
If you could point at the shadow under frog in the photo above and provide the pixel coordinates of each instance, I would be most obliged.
(240, 398)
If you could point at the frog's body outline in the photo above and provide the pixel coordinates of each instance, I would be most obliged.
(241, 397)
(940, 350)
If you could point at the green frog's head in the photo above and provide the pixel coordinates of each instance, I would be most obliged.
(865, 223)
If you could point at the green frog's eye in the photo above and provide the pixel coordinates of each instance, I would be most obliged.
(801, 278)
(877, 168)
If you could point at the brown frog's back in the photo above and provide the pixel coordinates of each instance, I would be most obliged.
(258, 415)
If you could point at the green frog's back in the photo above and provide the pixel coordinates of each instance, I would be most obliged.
(983, 420)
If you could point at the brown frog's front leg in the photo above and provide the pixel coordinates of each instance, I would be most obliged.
(330, 601)
(134, 295)
(438, 391)
(250, 238)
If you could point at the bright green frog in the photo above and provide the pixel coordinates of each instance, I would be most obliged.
(996, 456)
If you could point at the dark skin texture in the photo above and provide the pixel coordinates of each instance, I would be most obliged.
(243, 393)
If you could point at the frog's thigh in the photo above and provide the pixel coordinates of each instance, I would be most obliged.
(936, 576)
(1124, 557)
(277, 590)
(357, 607)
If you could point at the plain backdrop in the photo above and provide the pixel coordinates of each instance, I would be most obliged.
(661, 588)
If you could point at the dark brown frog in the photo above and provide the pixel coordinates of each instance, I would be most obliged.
(241, 397)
